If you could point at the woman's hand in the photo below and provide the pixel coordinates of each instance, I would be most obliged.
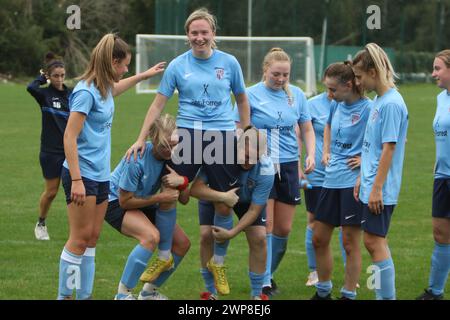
(220, 234)
(172, 179)
(157, 68)
(78, 193)
(325, 159)
(230, 198)
(134, 150)
(354, 162)
(375, 204)
(310, 164)
(168, 195)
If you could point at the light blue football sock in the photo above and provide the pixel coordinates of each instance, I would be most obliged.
(310, 253)
(348, 294)
(87, 274)
(226, 222)
(135, 266)
(324, 288)
(165, 221)
(256, 283)
(279, 246)
(341, 245)
(268, 273)
(166, 274)
(208, 278)
(69, 274)
(387, 280)
(440, 266)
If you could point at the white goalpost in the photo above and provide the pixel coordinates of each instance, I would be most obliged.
(249, 51)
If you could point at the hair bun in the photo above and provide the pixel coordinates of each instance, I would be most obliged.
(276, 49)
(50, 57)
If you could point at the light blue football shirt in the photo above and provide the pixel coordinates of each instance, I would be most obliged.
(388, 122)
(319, 109)
(441, 128)
(348, 123)
(204, 87)
(278, 114)
(255, 184)
(142, 177)
(94, 140)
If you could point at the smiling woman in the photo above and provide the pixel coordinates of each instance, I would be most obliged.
(204, 77)
(86, 170)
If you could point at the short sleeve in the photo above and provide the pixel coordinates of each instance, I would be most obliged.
(303, 109)
(132, 173)
(168, 82)
(262, 189)
(333, 108)
(237, 78)
(391, 117)
(81, 101)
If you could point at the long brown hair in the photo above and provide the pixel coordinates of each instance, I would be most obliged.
(100, 69)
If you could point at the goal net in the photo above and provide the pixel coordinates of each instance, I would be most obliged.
(249, 51)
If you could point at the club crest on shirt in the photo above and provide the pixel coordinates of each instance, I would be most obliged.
(355, 117)
(374, 115)
(290, 101)
(220, 72)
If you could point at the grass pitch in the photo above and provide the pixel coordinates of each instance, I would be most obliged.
(29, 268)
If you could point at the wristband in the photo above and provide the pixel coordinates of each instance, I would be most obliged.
(76, 180)
(183, 186)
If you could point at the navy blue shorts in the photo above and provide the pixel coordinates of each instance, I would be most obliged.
(115, 214)
(223, 172)
(286, 189)
(206, 213)
(377, 224)
(441, 198)
(51, 164)
(93, 188)
(338, 208)
(312, 198)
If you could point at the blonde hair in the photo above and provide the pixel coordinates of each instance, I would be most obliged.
(163, 127)
(202, 14)
(276, 55)
(374, 57)
(444, 55)
(100, 69)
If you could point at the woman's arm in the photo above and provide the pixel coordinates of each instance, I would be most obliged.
(201, 191)
(153, 113)
(34, 88)
(128, 201)
(326, 144)
(73, 129)
(221, 234)
(309, 138)
(125, 84)
(244, 110)
(376, 195)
